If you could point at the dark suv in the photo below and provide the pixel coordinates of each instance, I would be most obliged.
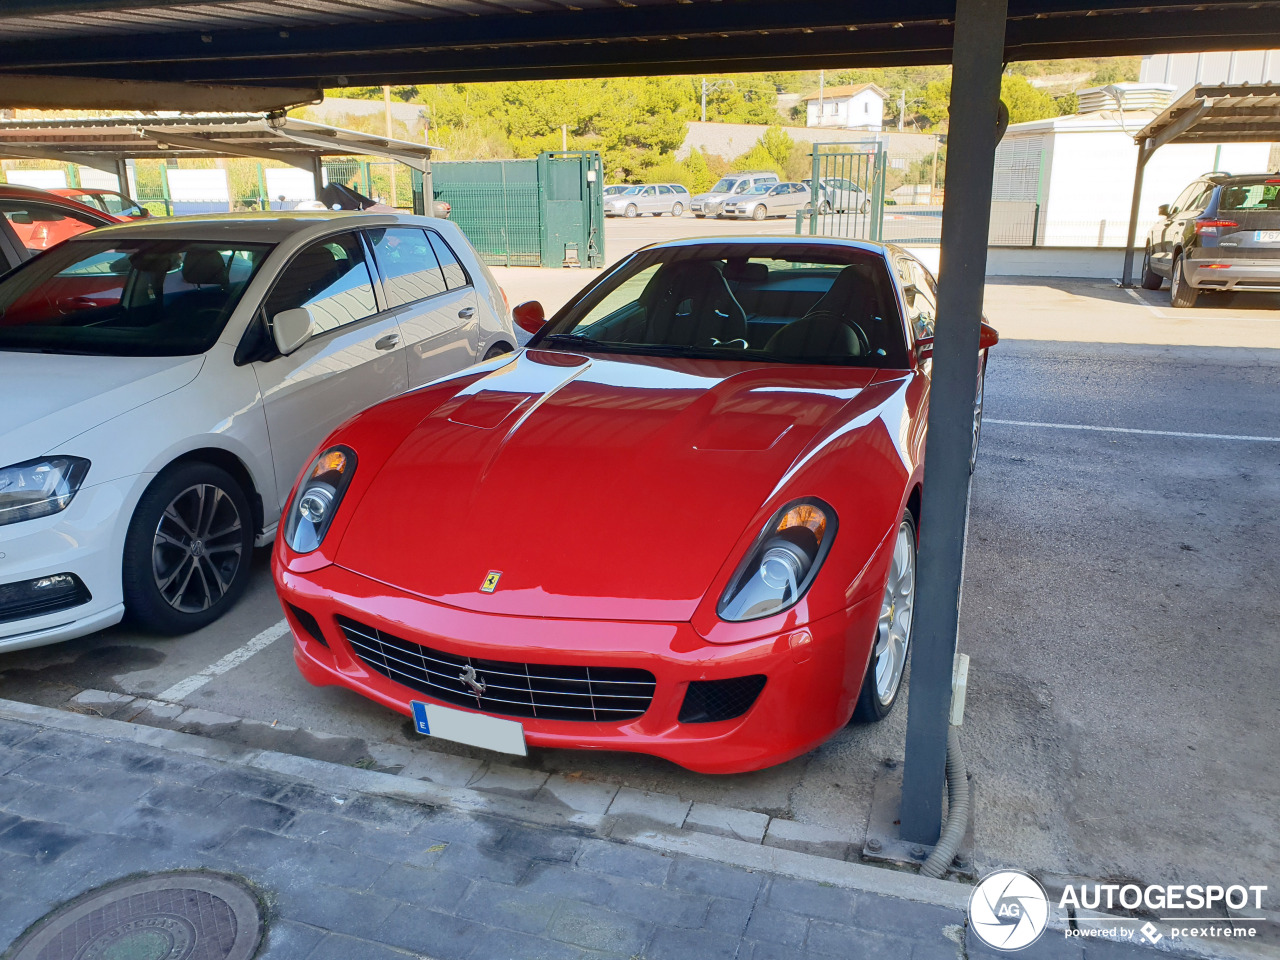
(1222, 233)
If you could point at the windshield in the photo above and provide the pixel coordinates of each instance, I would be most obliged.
(126, 298)
(1252, 196)
(614, 190)
(723, 186)
(766, 302)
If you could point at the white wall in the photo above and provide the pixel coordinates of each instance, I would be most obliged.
(1090, 182)
(864, 111)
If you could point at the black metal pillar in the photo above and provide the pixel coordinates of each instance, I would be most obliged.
(966, 219)
(122, 174)
(1144, 154)
(317, 171)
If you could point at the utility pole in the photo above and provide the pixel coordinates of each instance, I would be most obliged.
(713, 87)
(564, 137)
(704, 99)
(386, 105)
(902, 107)
(822, 93)
(428, 182)
(933, 181)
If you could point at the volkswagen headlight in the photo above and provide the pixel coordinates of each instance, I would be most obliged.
(38, 488)
(317, 499)
(782, 562)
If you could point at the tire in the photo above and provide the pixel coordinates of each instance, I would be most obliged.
(866, 206)
(700, 216)
(977, 418)
(193, 521)
(760, 212)
(893, 631)
(677, 210)
(824, 208)
(497, 350)
(631, 212)
(1181, 293)
(1150, 279)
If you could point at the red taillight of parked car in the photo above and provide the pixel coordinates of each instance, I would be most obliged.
(1211, 227)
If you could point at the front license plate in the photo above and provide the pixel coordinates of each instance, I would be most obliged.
(473, 729)
(1266, 236)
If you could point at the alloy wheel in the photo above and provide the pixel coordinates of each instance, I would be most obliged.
(977, 423)
(197, 548)
(893, 631)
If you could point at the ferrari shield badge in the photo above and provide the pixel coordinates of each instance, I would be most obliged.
(491, 581)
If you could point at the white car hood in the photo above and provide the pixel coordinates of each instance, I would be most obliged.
(48, 399)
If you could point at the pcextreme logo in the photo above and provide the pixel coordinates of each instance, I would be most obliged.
(1009, 910)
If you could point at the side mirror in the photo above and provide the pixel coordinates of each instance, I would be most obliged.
(143, 213)
(529, 316)
(1163, 209)
(291, 329)
(988, 337)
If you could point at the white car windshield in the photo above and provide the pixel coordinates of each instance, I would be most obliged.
(724, 186)
(126, 298)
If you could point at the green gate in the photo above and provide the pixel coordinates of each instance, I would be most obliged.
(547, 212)
(847, 188)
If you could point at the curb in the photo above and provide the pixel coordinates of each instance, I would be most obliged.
(637, 830)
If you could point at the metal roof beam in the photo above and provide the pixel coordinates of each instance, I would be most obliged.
(301, 160)
(1179, 126)
(336, 140)
(95, 93)
(26, 152)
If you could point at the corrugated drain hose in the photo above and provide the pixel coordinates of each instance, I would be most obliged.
(957, 810)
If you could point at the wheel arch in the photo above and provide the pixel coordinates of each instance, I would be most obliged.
(913, 505)
(228, 461)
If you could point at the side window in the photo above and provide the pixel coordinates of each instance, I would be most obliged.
(409, 267)
(665, 191)
(922, 306)
(1201, 202)
(331, 278)
(454, 274)
(1184, 198)
(649, 192)
(742, 186)
(39, 226)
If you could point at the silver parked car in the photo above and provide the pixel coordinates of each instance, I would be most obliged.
(729, 187)
(841, 195)
(654, 198)
(768, 200)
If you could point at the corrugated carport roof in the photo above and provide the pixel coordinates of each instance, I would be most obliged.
(1221, 113)
(103, 141)
(299, 46)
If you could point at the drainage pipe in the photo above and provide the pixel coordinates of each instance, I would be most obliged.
(957, 810)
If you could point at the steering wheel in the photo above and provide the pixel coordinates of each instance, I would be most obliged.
(864, 342)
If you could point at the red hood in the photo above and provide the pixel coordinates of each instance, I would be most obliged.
(601, 488)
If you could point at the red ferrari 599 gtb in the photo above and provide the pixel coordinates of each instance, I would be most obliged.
(681, 521)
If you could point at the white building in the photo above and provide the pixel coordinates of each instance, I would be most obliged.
(1078, 171)
(1185, 70)
(858, 106)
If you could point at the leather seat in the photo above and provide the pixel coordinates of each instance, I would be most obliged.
(824, 331)
(689, 304)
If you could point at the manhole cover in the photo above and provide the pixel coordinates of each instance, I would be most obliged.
(170, 916)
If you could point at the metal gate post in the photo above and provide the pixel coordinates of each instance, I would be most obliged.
(975, 95)
(877, 195)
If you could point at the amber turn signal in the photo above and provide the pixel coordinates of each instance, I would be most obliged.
(804, 515)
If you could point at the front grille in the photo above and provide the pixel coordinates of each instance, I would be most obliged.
(711, 700)
(35, 598)
(539, 690)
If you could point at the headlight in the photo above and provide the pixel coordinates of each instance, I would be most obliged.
(318, 497)
(38, 488)
(781, 563)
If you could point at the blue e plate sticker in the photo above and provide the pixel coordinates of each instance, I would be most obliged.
(420, 717)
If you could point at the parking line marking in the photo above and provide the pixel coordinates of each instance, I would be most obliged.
(184, 688)
(1152, 433)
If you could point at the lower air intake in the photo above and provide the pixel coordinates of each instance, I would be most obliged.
(710, 700)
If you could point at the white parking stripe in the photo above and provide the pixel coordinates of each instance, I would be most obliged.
(1151, 433)
(184, 688)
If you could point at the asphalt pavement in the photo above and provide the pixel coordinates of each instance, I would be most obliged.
(1119, 609)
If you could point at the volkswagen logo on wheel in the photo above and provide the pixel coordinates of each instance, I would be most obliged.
(1009, 910)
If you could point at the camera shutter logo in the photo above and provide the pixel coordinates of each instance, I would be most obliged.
(1009, 910)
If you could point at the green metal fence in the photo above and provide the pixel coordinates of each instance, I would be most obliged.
(547, 212)
(847, 187)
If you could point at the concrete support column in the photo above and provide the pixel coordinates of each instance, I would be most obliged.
(966, 218)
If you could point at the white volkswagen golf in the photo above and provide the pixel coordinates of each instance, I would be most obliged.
(162, 383)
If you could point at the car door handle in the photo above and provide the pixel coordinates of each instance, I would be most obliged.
(466, 313)
(389, 342)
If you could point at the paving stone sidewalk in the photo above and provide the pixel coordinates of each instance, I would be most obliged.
(353, 876)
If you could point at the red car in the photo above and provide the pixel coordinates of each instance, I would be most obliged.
(108, 201)
(35, 220)
(681, 522)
